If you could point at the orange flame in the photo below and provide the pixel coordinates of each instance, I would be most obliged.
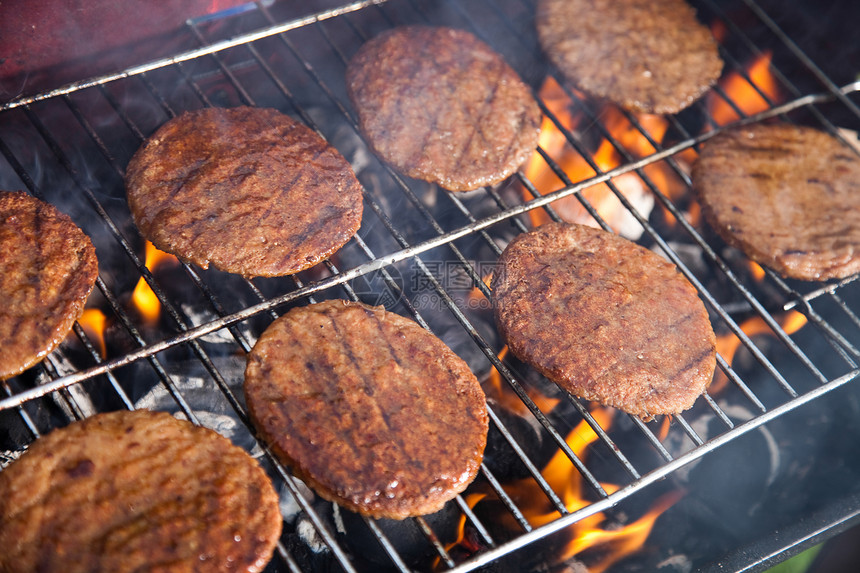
(94, 323)
(476, 299)
(606, 156)
(624, 541)
(756, 271)
(508, 399)
(587, 533)
(562, 476)
(565, 480)
(472, 500)
(663, 433)
(728, 344)
(743, 93)
(143, 299)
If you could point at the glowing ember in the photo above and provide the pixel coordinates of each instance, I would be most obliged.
(728, 344)
(143, 299)
(743, 93)
(94, 323)
(719, 31)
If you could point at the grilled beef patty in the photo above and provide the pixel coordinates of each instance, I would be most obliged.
(250, 190)
(370, 409)
(604, 318)
(650, 56)
(48, 268)
(136, 491)
(440, 105)
(787, 196)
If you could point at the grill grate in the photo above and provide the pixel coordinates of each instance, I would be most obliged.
(423, 253)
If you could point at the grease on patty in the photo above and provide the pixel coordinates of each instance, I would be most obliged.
(48, 268)
(440, 105)
(650, 56)
(604, 318)
(371, 410)
(249, 190)
(787, 196)
(136, 491)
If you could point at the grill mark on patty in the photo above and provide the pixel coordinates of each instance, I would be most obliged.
(326, 218)
(402, 362)
(614, 285)
(693, 363)
(60, 491)
(486, 109)
(306, 169)
(380, 327)
(177, 184)
(415, 66)
(522, 123)
(649, 343)
(45, 284)
(39, 223)
(247, 183)
(455, 66)
(320, 361)
(793, 209)
(165, 509)
(357, 364)
(360, 366)
(652, 57)
(383, 455)
(157, 519)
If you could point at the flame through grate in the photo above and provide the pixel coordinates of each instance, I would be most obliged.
(560, 476)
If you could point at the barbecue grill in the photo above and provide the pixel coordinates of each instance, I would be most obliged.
(761, 467)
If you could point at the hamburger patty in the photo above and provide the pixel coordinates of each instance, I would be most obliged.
(604, 318)
(370, 409)
(787, 196)
(440, 105)
(48, 268)
(136, 491)
(250, 190)
(650, 56)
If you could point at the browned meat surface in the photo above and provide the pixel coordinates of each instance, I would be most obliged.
(48, 268)
(605, 319)
(370, 409)
(440, 105)
(249, 190)
(650, 56)
(136, 491)
(787, 196)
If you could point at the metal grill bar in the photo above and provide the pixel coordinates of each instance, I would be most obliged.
(175, 315)
(571, 138)
(394, 257)
(249, 100)
(667, 249)
(190, 55)
(448, 301)
(801, 55)
(602, 505)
